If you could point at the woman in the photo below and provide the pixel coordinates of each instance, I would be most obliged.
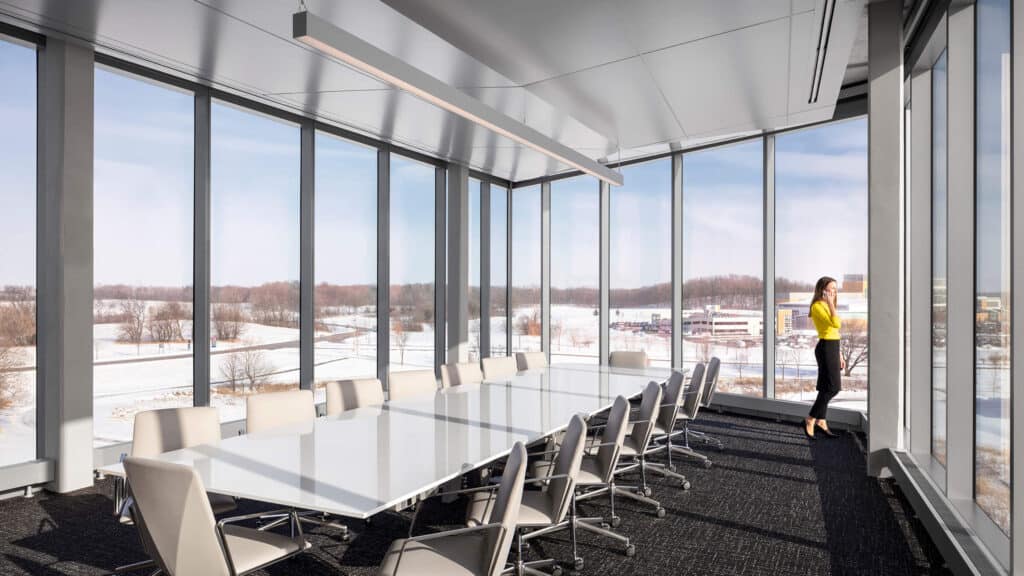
(830, 361)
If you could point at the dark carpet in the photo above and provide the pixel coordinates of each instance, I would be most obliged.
(773, 503)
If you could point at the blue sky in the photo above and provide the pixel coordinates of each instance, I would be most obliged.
(18, 171)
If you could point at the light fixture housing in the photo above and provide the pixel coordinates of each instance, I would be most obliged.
(325, 37)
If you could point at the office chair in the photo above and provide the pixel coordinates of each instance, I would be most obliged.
(498, 367)
(531, 360)
(411, 383)
(671, 398)
(636, 360)
(461, 373)
(710, 385)
(476, 551)
(344, 395)
(636, 444)
(181, 534)
(690, 408)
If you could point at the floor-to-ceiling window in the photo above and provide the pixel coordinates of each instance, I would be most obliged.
(640, 291)
(142, 252)
(411, 265)
(18, 266)
(525, 281)
(499, 271)
(474, 269)
(992, 261)
(575, 270)
(254, 257)
(821, 229)
(723, 263)
(345, 297)
(938, 241)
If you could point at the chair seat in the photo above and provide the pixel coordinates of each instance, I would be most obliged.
(534, 510)
(250, 549)
(455, 555)
(221, 503)
(629, 447)
(589, 474)
(659, 430)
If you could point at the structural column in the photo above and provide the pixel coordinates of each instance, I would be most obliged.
(768, 306)
(604, 272)
(885, 217)
(919, 268)
(383, 263)
(64, 271)
(307, 242)
(1017, 298)
(545, 268)
(201, 251)
(440, 267)
(458, 263)
(485, 267)
(677, 261)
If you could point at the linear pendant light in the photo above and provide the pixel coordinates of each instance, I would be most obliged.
(321, 35)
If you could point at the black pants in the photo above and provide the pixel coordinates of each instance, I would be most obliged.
(827, 355)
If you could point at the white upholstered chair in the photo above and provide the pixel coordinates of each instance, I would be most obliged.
(461, 373)
(498, 367)
(183, 537)
(345, 395)
(278, 409)
(635, 359)
(531, 360)
(411, 383)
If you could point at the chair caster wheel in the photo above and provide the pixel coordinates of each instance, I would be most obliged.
(671, 467)
(707, 463)
(630, 551)
(577, 564)
(646, 491)
(606, 526)
(661, 512)
(556, 571)
(686, 484)
(616, 521)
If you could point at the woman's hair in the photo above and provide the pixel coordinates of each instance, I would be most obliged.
(819, 288)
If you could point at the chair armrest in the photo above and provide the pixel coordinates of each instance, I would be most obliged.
(543, 479)
(242, 518)
(456, 532)
(299, 537)
(416, 513)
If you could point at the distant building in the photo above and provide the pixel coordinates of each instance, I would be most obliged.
(783, 321)
(855, 284)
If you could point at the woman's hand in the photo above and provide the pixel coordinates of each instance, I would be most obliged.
(842, 362)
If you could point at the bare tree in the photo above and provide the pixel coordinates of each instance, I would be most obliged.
(401, 338)
(254, 366)
(166, 321)
(231, 369)
(228, 321)
(133, 323)
(10, 359)
(854, 344)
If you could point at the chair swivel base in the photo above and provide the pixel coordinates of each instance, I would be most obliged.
(687, 451)
(314, 519)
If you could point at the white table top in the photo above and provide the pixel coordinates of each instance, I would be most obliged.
(370, 459)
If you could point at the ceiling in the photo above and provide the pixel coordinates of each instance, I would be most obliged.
(610, 78)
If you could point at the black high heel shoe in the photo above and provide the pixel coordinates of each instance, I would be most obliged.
(827, 432)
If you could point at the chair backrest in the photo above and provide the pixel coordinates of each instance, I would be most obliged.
(167, 429)
(461, 373)
(650, 402)
(277, 409)
(173, 513)
(567, 462)
(612, 438)
(506, 508)
(345, 395)
(628, 359)
(710, 382)
(670, 400)
(411, 383)
(498, 367)
(691, 400)
(531, 360)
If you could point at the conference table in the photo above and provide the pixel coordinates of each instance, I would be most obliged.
(371, 459)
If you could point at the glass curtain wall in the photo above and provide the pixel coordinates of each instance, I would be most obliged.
(939, 239)
(640, 291)
(254, 257)
(474, 270)
(411, 265)
(575, 270)
(992, 261)
(821, 229)
(18, 266)
(142, 251)
(345, 295)
(525, 281)
(723, 263)
(499, 271)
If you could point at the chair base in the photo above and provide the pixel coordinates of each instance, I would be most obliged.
(312, 518)
(707, 439)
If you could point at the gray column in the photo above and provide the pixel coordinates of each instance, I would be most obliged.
(485, 268)
(960, 283)
(201, 251)
(605, 272)
(919, 247)
(458, 263)
(64, 269)
(885, 217)
(508, 271)
(307, 242)
(545, 268)
(440, 268)
(383, 264)
(677, 261)
(1017, 298)
(768, 324)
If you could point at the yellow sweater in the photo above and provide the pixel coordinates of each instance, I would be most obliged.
(826, 324)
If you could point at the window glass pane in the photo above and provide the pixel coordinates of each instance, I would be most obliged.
(939, 231)
(821, 229)
(254, 257)
(992, 262)
(142, 251)
(499, 270)
(575, 270)
(526, 269)
(640, 290)
(723, 263)
(474, 270)
(18, 267)
(412, 265)
(345, 297)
